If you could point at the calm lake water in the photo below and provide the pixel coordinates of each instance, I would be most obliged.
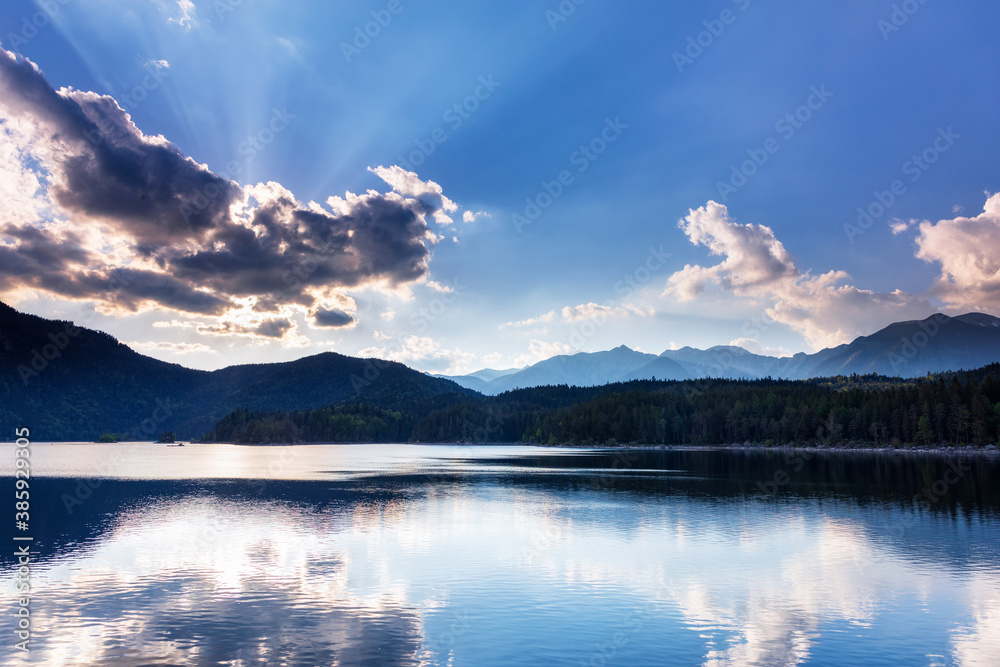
(450, 555)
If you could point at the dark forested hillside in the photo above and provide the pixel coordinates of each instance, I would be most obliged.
(961, 408)
(70, 383)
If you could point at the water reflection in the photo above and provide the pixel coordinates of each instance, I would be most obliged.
(527, 559)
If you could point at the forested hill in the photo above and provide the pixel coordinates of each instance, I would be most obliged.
(957, 408)
(71, 383)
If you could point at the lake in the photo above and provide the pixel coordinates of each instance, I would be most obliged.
(145, 554)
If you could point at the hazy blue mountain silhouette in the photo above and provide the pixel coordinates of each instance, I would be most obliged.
(907, 349)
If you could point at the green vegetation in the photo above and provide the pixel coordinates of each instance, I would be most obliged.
(956, 408)
(344, 423)
(109, 437)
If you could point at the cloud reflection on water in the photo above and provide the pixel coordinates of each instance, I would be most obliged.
(396, 570)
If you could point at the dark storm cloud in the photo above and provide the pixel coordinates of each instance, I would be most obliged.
(291, 248)
(332, 318)
(38, 251)
(105, 167)
(273, 328)
(178, 215)
(60, 265)
(130, 287)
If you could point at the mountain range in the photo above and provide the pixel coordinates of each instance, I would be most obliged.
(906, 349)
(71, 383)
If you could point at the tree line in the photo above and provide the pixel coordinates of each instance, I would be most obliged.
(953, 408)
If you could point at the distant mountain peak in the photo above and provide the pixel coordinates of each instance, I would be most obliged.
(909, 349)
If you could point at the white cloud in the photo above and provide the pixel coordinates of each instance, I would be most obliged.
(21, 186)
(968, 252)
(172, 348)
(539, 350)
(289, 47)
(471, 216)
(492, 359)
(408, 184)
(825, 310)
(594, 311)
(440, 287)
(899, 226)
(388, 315)
(753, 345)
(754, 258)
(585, 311)
(185, 19)
(174, 324)
(421, 352)
(545, 317)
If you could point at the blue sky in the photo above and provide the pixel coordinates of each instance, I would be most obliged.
(773, 270)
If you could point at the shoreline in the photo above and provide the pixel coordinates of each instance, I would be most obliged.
(949, 450)
(813, 449)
